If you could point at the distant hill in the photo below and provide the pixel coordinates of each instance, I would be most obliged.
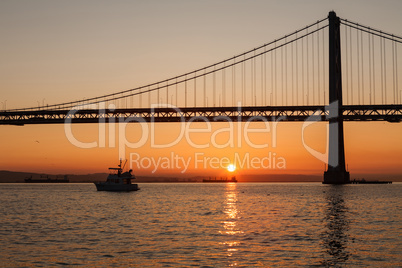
(13, 176)
(18, 177)
(280, 178)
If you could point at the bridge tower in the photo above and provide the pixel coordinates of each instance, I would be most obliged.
(336, 172)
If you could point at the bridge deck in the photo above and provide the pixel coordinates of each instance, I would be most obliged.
(390, 113)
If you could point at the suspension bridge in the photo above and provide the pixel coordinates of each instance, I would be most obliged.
(301, 76)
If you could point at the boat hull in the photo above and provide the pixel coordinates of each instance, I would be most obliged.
(116, 187)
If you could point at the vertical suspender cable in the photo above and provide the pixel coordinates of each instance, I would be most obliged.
(292, 61)
(265, 77)
(205, 88)
(308, 67)
(262, 78)
(140, 98)
(195, 89)
(272, 77)
(214, 87)
(244, 81)
(385, 73)
(382, 71)
(396, 72)
(372, 53)
(254, 76)
(393, 70)
(176, 92)
(252, 67)
(167, 92)
(157, 94)
(282, 88)
(313, 66)
(223, 84)
(233, 83)
(275, 87)
(253, 85)
(347, 65)
(362, 56)
(297, 74)
(351, 67)
(318, 66)
(185, 91)
(241, 84)
(369, 53)
(302, 63)
(286, 73)
(252, 80)
(255, 79)
(358, 67)
(149, 96)
(323, 66)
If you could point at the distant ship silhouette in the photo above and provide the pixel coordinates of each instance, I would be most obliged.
(233, 179)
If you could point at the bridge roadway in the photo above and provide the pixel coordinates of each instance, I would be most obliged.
(390, 113)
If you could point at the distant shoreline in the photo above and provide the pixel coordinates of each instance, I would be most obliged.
(19, 177)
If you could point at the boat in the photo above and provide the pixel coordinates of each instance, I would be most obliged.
(47, 179)
(118, 181)
(233, 179)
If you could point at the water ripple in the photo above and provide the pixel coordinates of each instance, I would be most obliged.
(201, 225)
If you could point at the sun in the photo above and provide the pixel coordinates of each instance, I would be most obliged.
(231, 168)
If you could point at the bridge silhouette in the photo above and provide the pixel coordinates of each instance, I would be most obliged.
(301, 76)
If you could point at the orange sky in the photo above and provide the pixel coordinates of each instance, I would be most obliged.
(373, 147)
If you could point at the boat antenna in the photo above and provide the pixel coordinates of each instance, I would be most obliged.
(124, 164)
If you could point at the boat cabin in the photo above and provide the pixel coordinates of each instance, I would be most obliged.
(116, 176)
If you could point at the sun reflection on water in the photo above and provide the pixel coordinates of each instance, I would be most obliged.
(230, 226)
(335, 236)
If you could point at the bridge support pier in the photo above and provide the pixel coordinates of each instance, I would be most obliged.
(336, 173)
(336, 177)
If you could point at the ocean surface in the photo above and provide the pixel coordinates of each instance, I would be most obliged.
(201, 225)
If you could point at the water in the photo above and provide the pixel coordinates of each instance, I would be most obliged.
(202, 225)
